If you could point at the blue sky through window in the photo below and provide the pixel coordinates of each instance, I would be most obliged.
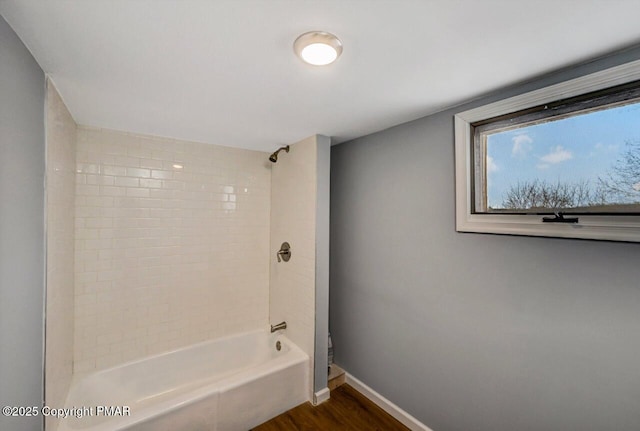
(575, 149)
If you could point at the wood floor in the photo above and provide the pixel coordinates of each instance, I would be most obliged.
(346, 410)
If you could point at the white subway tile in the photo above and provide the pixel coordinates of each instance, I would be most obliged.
(152, 163)
(112, 191)
(111, 170)
(138, 192)
(127, 182)
(138, 172)
(151, 183)
(161, 175)
(157, 275)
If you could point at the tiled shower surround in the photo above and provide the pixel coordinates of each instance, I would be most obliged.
(293, 220)
(61, 166)
(172, 244)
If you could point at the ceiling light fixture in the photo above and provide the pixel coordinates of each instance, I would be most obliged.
(318, 48)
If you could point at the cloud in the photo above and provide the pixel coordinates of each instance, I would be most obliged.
(521, 146)
(612, 148)
(543, 166)
(491, 165)
(600, 148)
(557, 155)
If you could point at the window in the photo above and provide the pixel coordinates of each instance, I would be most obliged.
(561, 161)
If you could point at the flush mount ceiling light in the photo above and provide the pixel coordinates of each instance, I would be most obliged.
(318, 48)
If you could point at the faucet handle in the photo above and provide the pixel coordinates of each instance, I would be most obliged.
(285, 252)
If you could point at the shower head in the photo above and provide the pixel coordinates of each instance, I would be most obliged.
(274, 157)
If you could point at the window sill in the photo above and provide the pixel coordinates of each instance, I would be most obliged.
(589, 227)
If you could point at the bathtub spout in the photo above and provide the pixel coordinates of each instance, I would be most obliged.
(279, 326)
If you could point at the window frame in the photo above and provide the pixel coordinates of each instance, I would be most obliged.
(599, 227)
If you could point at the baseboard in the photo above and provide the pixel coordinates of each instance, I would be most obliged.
(321, 396)
(403, 417)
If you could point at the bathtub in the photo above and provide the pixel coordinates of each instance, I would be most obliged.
(229, 384)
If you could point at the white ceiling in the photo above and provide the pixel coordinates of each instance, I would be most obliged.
(224, 72)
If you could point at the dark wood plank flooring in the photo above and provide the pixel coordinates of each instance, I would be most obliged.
(347, 410)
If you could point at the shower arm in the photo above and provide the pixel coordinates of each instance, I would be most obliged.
(274, 157)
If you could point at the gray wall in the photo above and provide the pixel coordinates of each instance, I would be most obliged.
(471, 331)
(22, 165)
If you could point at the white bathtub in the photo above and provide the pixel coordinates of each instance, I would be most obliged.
(229, 384)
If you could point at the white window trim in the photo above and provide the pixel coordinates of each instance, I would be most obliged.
(613, 228)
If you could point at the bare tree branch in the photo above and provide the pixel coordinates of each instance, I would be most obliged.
(544, 195)
(622, 183)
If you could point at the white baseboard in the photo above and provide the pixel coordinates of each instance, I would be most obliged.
(403, 417)
(321, 396)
